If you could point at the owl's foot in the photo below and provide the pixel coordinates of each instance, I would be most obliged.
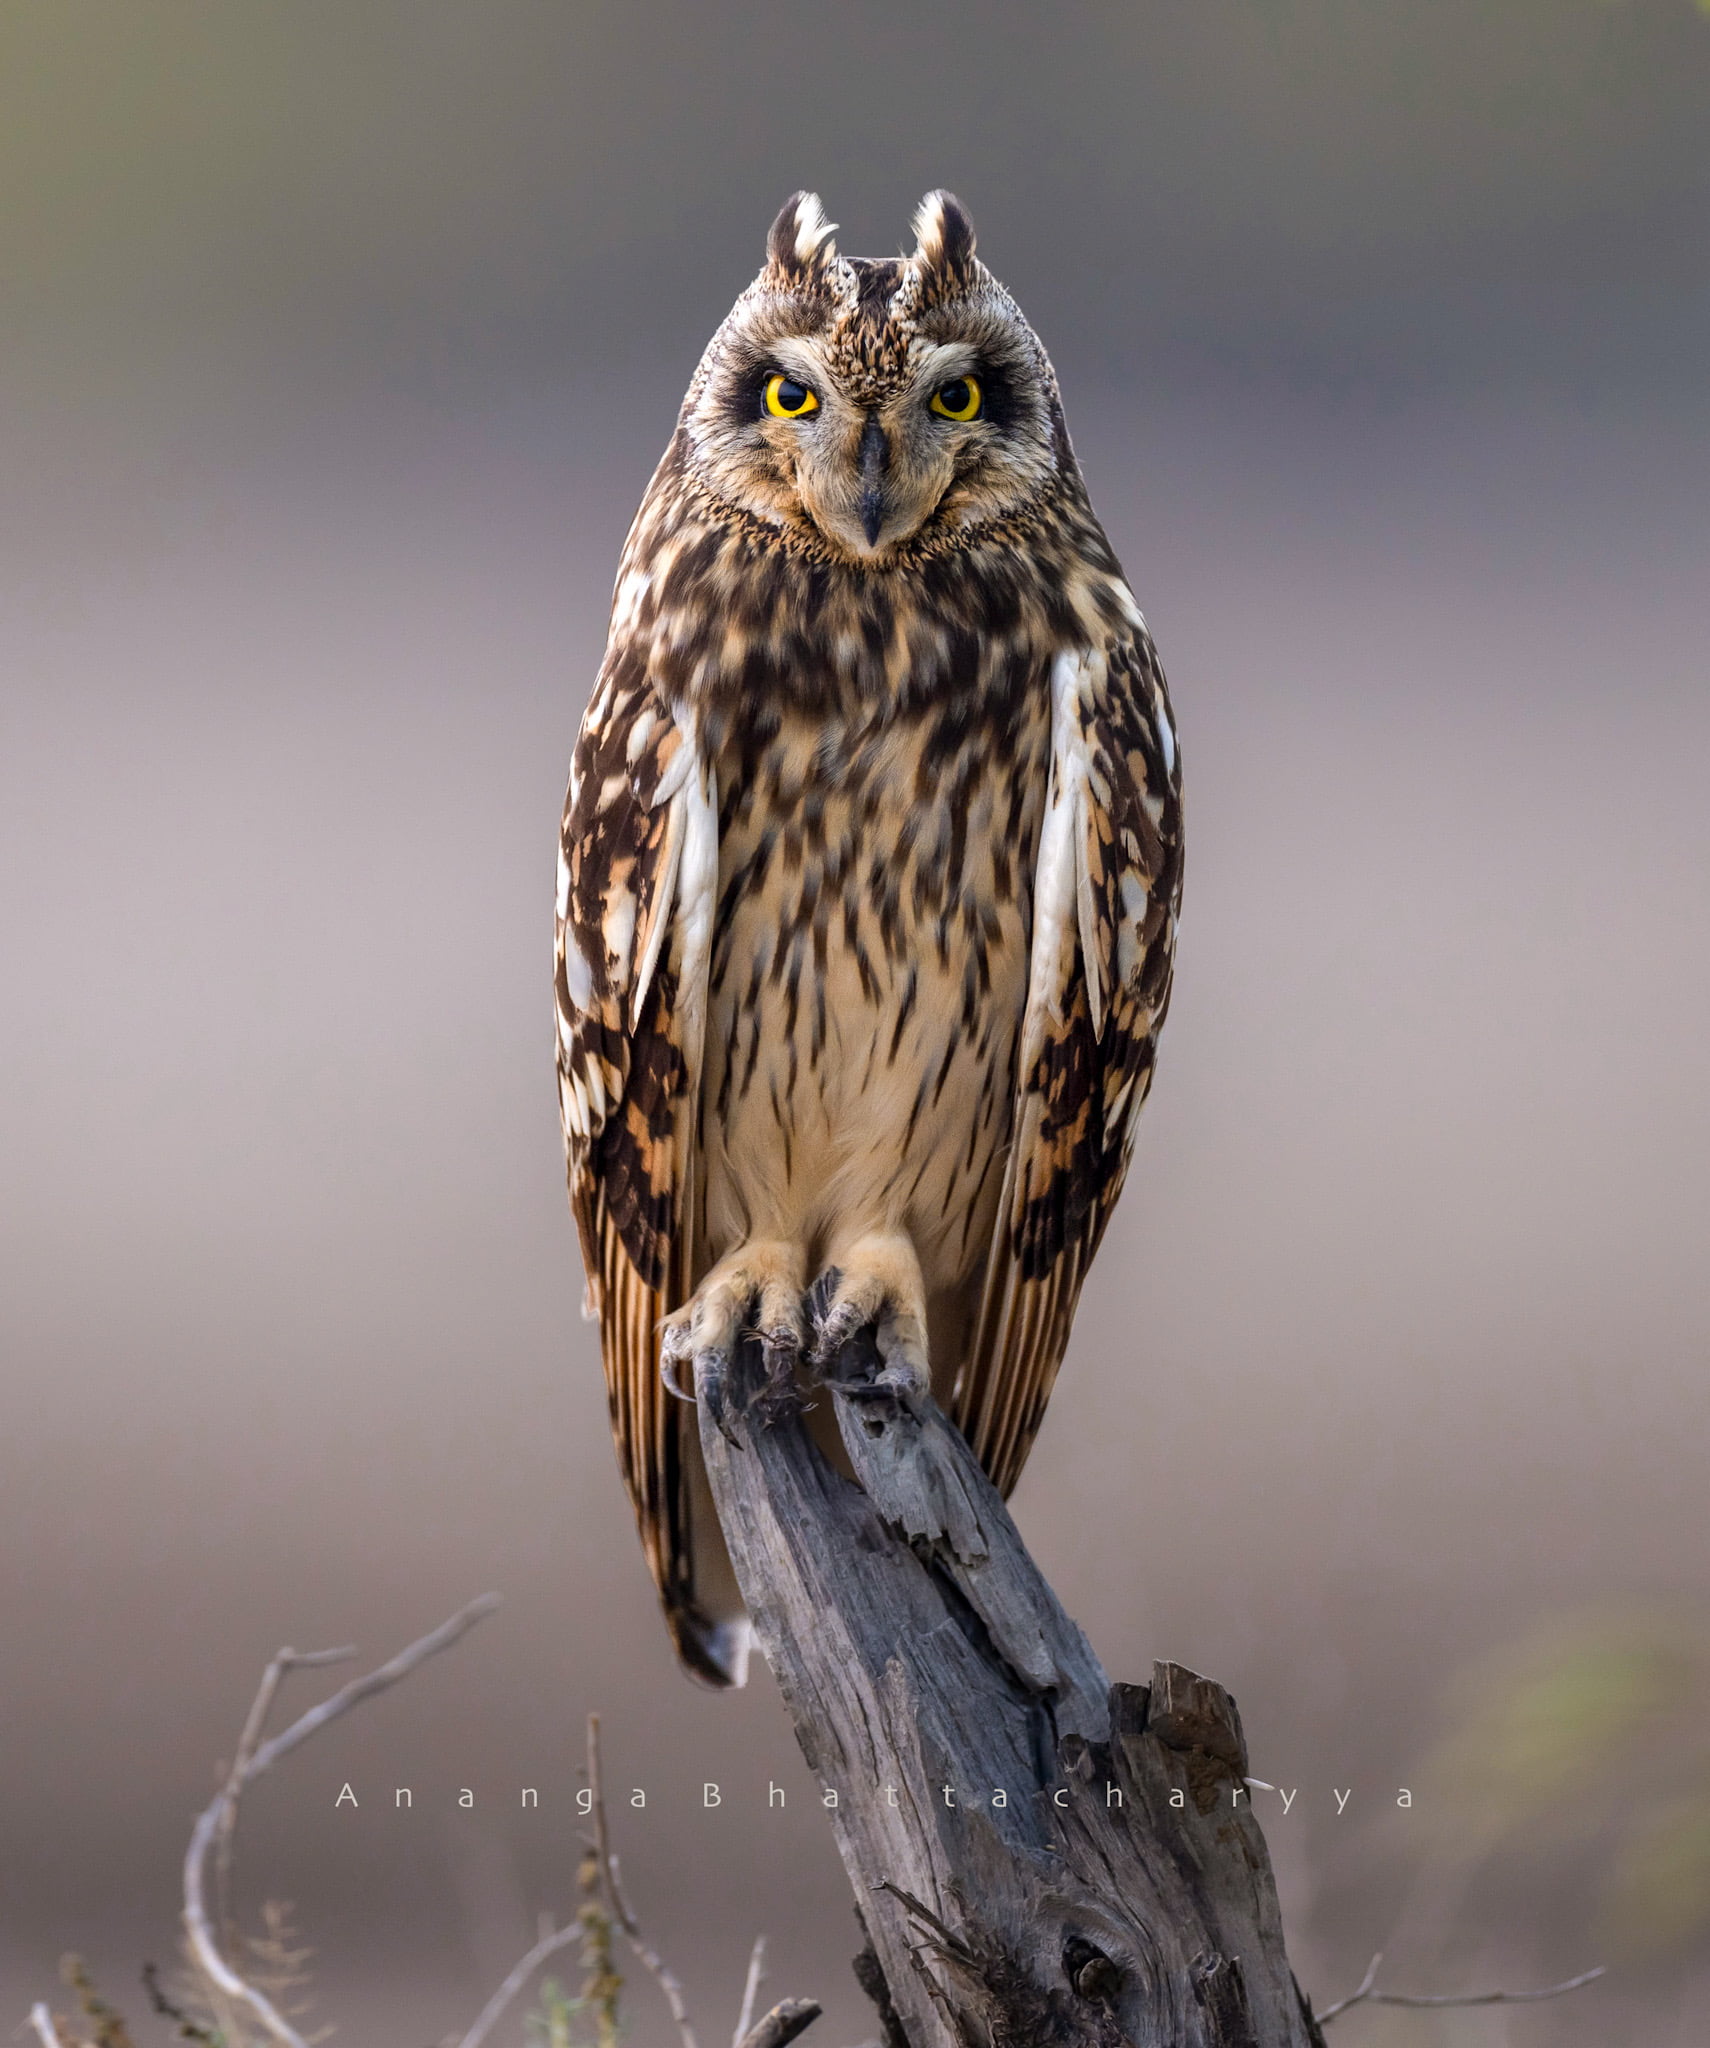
(875, 1288)
(756, 1291)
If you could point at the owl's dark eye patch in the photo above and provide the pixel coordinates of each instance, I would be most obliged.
(997, 397)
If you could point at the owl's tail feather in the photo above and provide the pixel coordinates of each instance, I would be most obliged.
(659, 1455)
(715, 1653)
(709, 1625)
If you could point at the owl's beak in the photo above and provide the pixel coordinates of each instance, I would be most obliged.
(874, 457)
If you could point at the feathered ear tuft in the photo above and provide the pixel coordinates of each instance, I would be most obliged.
(799, 248)
(944, 239)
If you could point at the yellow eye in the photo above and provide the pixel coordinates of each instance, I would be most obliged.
(788, 400)
(958, 400)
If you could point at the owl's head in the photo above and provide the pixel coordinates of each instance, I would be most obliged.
(863, 405)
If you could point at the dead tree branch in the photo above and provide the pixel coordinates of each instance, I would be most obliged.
(1367, 1994)
(1038, 1857)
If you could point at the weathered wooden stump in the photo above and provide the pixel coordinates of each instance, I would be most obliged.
(1038, 1856)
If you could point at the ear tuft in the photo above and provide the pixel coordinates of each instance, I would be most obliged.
(799, 247)
(944, 238)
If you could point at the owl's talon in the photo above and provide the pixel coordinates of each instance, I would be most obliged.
(870, 1324)
(834, 1332)
(778, 1394)
(668, 1364)
(712, 1383)
(752, 1296)
(835, 1328)
(821, 1295)
(676, 1350)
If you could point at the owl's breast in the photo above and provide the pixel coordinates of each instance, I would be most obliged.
(868, 979)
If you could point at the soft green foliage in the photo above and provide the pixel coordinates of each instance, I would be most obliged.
(590, 2020)
(550, 2024)
(1659, 1892)
(601, 1984)
(1550, 1720)
(1594, 1731)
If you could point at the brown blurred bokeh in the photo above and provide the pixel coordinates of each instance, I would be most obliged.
(338, 345)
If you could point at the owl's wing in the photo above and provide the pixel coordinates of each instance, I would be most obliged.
(1106, 893)
(637, 878)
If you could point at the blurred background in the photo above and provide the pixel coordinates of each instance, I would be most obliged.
(337, 342)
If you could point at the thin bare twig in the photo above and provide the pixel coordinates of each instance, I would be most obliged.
(199, 1935)
(490, 2014)
(360, 1689)
(46, 2032)
(253, 1727)
(1367, 1994)
(620, 1906)
(750, 1991)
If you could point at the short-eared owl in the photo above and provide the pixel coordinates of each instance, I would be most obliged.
(870, 869)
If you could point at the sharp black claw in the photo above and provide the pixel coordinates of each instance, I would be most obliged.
(712, 1370)
(822, 1294)
(673, 1385)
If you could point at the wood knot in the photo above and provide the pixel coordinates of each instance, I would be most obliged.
(1090, 1970)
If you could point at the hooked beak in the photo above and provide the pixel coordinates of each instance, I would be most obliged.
(875, 454)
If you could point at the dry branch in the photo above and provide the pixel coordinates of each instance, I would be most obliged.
(236, 2002)
(1368, 1994)
(254, 1727)
(750, 1991)
(46, 2032)
(217, 1822)
(1120, 1892)
(490, 2014)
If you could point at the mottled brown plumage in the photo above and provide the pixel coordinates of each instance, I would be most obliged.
(870, 871)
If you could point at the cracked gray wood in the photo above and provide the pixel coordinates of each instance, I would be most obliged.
(1119, 1891)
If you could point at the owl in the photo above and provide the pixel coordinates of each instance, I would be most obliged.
(868, 884)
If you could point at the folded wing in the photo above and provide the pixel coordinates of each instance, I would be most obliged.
(1106, 894)
(637, 879)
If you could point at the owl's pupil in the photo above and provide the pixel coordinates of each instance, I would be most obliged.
(792, 397)
(954, 397)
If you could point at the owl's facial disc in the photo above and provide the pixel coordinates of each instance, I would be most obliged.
(959, 434)
(868, 471)
(863, 405)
